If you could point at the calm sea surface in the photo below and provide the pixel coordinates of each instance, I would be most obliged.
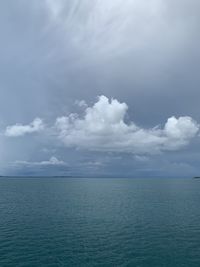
(99, 222)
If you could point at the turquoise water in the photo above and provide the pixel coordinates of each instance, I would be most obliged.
(99, 222)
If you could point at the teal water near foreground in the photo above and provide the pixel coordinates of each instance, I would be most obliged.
(99, 222)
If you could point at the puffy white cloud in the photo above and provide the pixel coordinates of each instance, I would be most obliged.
(53, 161)
(20, 130)
(103, 128)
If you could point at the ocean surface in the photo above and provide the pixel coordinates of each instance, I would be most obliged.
(99, 222)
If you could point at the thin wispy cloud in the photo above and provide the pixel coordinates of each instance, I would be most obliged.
(53, 161)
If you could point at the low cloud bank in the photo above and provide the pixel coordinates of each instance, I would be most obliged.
(103, 128)
(53, 161)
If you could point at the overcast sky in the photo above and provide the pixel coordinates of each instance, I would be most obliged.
(100, 88)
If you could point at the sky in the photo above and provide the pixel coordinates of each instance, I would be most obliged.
(100, 88)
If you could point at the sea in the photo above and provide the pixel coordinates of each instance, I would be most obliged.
(144, 222)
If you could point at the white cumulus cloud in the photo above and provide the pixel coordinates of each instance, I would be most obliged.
(19, 129)
(103, 128)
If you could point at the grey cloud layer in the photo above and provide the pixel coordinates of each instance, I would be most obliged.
(149, 49)
(143, 53)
